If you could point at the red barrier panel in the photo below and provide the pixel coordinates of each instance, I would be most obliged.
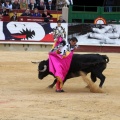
(41, 11)
(35, 19)
(5, 18)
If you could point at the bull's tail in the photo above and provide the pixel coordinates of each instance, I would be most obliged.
(106, 58)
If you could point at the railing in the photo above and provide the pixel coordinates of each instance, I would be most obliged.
(55, 13)
(87, 14)
(21, 11)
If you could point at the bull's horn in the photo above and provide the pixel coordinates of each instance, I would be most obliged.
(35, 62)
(44, 69)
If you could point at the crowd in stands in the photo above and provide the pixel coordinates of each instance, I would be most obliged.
(32, 4)
(27, 6)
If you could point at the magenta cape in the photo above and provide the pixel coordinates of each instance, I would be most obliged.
(59, 39)
(58, 65)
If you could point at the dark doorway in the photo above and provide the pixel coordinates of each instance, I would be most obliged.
(88, 2)
(93, 3)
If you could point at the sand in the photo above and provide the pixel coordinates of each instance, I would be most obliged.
(24, 97)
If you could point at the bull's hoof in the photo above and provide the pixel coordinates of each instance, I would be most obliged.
(50, 86)
(59, 91)
(87, 86)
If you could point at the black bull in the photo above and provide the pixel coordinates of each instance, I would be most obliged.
(88, 63)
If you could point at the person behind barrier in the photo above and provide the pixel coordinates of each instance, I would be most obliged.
(4, 12)
(26, 13)
(61, 20)
(0, 4)
(1, 16)
(59, 31)
(46, 14)
(14, 17)
(36, 13)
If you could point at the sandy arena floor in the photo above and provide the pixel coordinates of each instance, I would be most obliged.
(24, 97)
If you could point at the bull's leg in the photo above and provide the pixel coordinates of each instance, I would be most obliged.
(54, 82)
(82, 73)
(85, 74)
(52, 85)
(89, 82)
(64, 81)
(91, 85)
(102, 78)
(93, 77)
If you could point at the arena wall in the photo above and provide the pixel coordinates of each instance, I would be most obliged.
(48, 46)
(31, 36)
(11, 46)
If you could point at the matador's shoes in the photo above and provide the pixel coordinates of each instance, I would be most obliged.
(59, 91)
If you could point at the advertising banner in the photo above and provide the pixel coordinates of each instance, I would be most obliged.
(29, 31)
(95, 34)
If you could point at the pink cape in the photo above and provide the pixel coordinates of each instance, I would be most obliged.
(58, 65)
(59, 39)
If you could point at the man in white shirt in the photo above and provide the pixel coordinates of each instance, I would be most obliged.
(69, 2)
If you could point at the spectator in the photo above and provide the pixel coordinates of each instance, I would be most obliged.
(46, 14)
(50, 6)
(7, 4)
(0, 5)
(61, 20)
(32, 5)
(36, 13)
(69, 2)
(41, 5)
(14, 17)
(23, 4)
(60, 4)
(15, 5)
(26, 13)
(4, 12)
(1, 16)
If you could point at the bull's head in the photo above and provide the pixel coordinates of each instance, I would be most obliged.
(43, 69)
